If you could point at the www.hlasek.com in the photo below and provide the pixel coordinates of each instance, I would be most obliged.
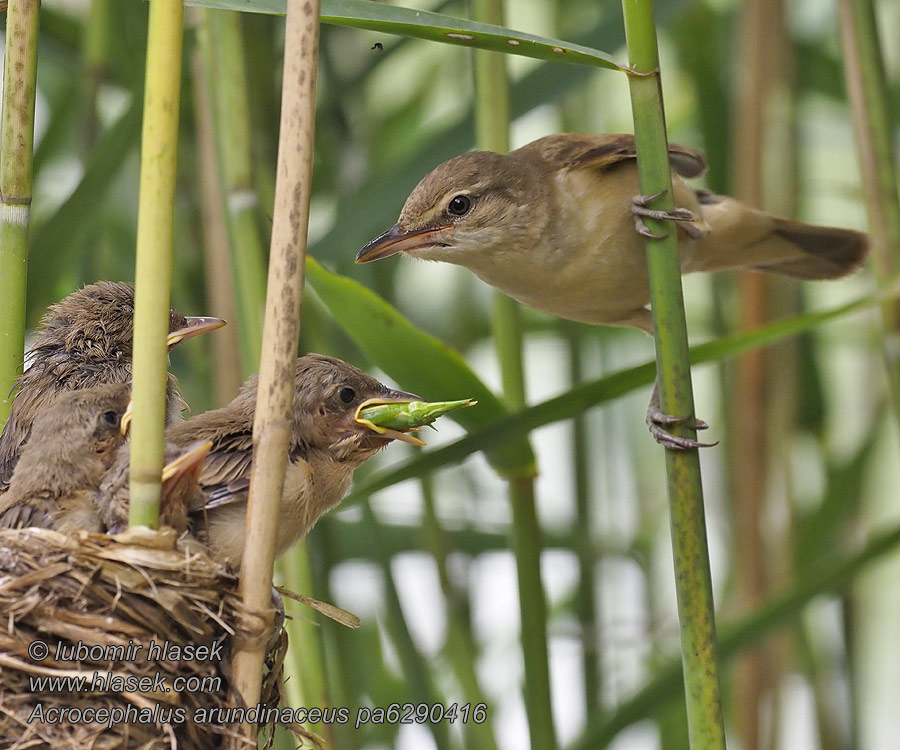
(103, 682)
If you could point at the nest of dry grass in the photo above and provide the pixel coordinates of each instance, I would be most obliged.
(156, 626)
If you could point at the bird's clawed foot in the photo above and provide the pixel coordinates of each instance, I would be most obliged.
(658, 422)
(639, 210)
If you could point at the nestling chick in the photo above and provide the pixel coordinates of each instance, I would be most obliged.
(73, 442)
(82, 341)
(552, 224)
(327, 445)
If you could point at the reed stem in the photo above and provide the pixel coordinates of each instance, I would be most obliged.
(872, 122)
(153, 266)
(691, 555)
(220, 291)
(271, 427)
(460, 648)
(584, 542)
(222, 49)
(492, 133)
(16, 151)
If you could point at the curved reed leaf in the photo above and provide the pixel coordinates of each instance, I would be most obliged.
(435, 27)
(593, 393)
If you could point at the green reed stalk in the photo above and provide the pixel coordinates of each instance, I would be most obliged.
(305, 660)
(153, 267)
(870, 105)
(583, 532)
(96, 41)
(220, 292)
(460, 648)
(16, 149)
(691, 555)
(822, 579)
(492, 133)
(222, 48)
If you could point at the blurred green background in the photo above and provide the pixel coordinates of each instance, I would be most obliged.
(426, 562)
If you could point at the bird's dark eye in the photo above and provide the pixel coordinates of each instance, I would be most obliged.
(347, 395)
(110, 418)
(459, 205)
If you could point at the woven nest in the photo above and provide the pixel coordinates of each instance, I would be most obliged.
(141, 593)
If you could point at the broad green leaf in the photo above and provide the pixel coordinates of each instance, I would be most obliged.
(417, 361)
(435, 27)
(577, 400)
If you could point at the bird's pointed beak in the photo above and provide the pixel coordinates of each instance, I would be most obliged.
(126, 419)
(194, 327)
(189, 461)
(400, 397)
(398, 240)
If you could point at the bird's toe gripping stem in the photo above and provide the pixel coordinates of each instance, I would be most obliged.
(639, 210)
(658, 422)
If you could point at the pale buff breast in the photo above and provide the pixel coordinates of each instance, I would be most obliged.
(312, 487)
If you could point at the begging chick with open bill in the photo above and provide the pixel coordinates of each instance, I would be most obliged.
(552, 224)
(82, 341)
(327, 444)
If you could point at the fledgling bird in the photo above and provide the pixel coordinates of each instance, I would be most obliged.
(73, 441)
(552, 224)
(327, 445)
(82, 341)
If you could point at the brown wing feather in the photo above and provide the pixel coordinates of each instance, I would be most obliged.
(228, 460)
(11, 441)
(574, 151)
(232, 445)
(16, 513)
(233, 492)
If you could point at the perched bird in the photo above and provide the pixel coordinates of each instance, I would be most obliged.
(552, 224)
(73, 442)
(84, 340)
(327, 445)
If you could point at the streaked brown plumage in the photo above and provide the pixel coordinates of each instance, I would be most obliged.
(327, 445)
(84, 340)
(73, 442)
